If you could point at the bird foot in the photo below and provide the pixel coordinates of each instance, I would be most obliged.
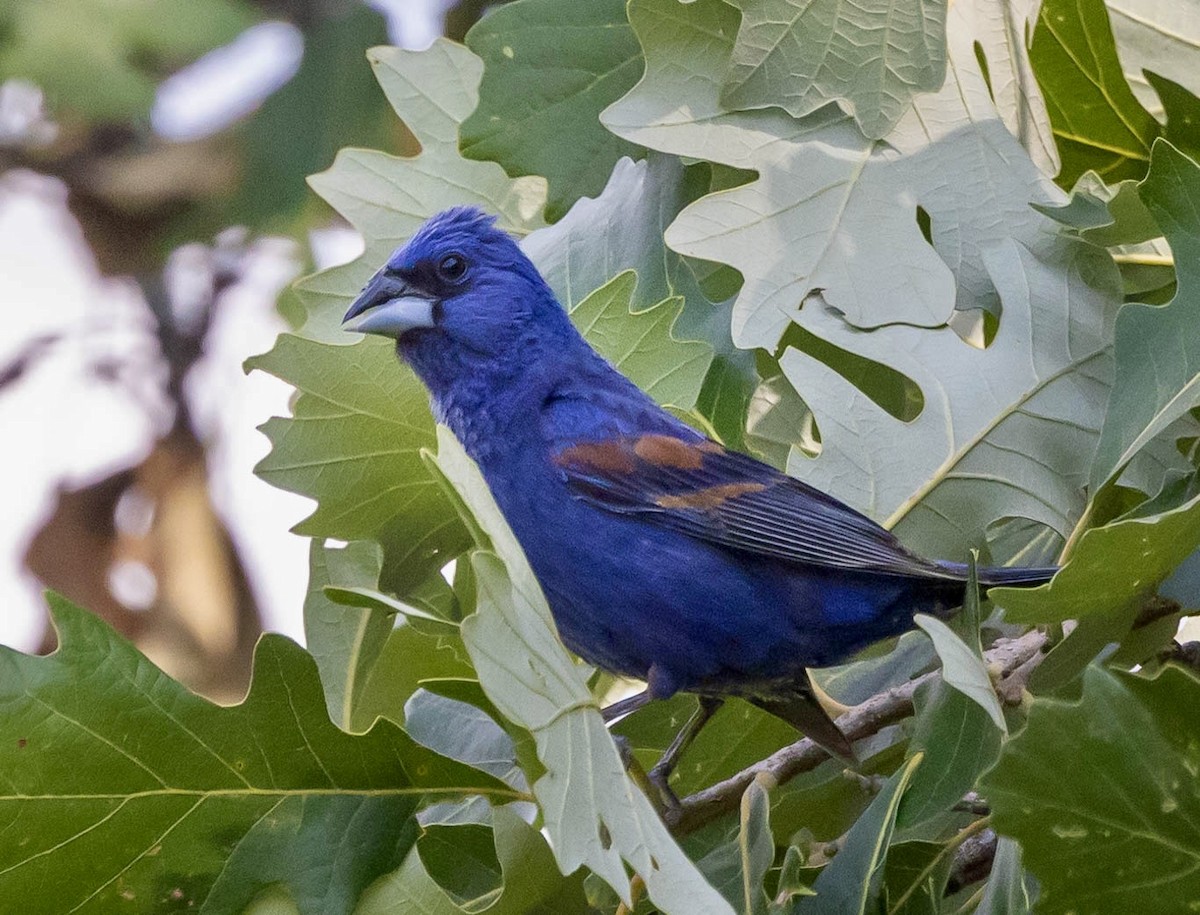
(669, 806)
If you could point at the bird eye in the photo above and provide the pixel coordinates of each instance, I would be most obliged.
(452, 267)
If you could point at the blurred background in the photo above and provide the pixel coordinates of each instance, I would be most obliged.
(153, 211)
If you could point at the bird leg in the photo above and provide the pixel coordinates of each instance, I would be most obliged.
(623, 707)
(661, 772)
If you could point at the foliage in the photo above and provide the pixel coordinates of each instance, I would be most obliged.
(842, 243)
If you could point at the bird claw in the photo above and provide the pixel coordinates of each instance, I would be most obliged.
(669, 805)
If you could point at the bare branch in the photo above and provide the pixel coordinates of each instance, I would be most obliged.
(1012, 659)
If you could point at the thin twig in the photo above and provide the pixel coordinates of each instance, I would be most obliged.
(1007, 656)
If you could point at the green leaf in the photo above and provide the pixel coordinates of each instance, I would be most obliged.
(1182, 110)
(916, 872)
(530, 884)
(1006, 892)
(182, 803)
(594, 815)
(640, 343)
(345, 642)
(959, 741)
(1110, 567)
(1103, 843)
(1098, 122)
(852, 883)
(1157, 348)
(738, 867)
(872, 56)
(409, 888)
(409, 658)
(462, 860)
(353, 443)
(387, 197)
(825, 803)
(550, 68)
(962, 668)
(796, 237)
(1006, 431)
(103, 58)
(791, 882)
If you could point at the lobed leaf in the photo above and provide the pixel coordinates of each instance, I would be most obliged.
(594, 814)
(640, 343)
(550, 68)
(182, 803)
(1157, 349)
(387, 197)
(1103, 843)
(1098, 122)
(801, 54)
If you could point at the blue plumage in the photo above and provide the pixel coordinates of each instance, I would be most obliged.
(663, 555)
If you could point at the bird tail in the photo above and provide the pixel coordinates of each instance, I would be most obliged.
(800, 707)
(1011, 576)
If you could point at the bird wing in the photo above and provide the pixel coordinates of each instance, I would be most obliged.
(700, 488)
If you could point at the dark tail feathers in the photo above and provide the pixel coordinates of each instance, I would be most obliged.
(1013, 576)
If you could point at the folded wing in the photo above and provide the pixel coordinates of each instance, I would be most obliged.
(701, 489)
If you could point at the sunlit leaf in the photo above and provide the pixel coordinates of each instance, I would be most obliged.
(800, 55)
(1098, 122)
(594, 814)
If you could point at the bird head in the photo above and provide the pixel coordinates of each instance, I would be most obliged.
(459, 297)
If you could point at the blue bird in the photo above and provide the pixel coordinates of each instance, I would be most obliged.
(663, 555)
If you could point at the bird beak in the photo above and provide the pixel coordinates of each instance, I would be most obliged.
(389, 307)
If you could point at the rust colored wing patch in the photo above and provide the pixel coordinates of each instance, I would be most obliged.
(668, 451)
(697, 487)
(606, 457)
(709, 497)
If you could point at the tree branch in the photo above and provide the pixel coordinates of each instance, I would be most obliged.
(1013, 659)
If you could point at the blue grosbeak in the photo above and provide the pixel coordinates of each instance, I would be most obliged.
(664, 556)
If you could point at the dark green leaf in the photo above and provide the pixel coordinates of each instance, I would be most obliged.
(916, 872)
(1103, 796)
(1006, 892)
(852, 883)
(125, 792)
(1098, 122)
(1182, 109)
(738, 867)
(462, 860)
(550, 68)
(959, 741)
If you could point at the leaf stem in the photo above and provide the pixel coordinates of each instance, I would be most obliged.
(950, 847)
(1145, 260)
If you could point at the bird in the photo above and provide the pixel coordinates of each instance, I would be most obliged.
(664, 556)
